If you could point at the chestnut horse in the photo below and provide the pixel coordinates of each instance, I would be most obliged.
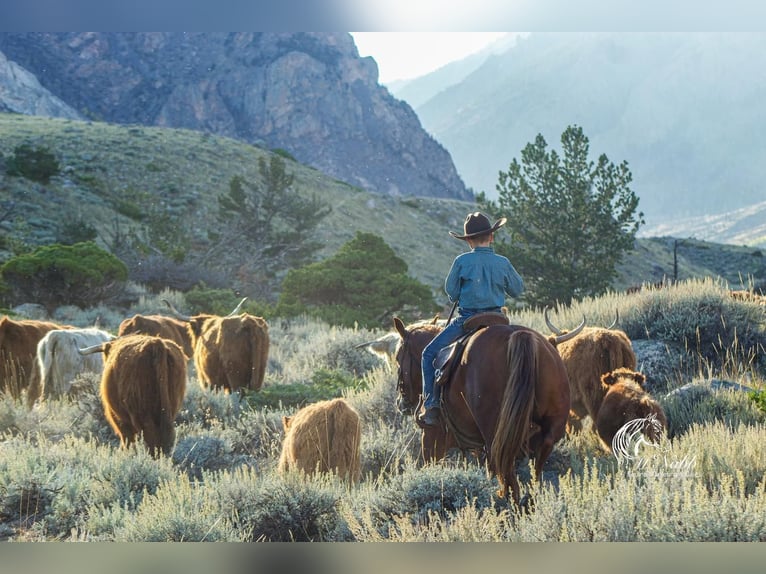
(509, 396)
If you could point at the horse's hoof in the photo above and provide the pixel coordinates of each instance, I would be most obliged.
(527, 504)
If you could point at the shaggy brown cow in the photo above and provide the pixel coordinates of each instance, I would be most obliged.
(625, 400)
(142, 389)
(323, 437)
(18, 352)
(230, 352)
(159, 326)
(748, 296)
(595, 351)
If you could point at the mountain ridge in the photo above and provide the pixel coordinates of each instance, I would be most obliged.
(307, 93)
(682, 109)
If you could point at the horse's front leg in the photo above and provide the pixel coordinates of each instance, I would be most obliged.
(434, 443)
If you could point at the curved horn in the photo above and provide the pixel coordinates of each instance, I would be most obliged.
(616, 319)
(553, 329)
(237, 308)
(571, 334)
(92, 349)
(175, 311)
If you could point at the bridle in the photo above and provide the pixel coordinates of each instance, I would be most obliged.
(406, 369)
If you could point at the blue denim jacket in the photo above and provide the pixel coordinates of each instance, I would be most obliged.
(480, 279)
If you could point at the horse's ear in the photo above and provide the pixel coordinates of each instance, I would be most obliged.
(608, 378)
(401, 329)
(640, 378)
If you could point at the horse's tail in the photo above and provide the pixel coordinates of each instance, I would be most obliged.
(518, 401)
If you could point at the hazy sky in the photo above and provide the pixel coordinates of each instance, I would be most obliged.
(406, 55)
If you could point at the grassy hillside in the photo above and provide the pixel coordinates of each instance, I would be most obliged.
(188, 170)
(653, 260)
(107, 170)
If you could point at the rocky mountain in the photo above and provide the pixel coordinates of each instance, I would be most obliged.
(21, 93)
(307, 93)
(418, 91)
(684, 110)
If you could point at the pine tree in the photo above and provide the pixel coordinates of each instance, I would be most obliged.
(570, 220)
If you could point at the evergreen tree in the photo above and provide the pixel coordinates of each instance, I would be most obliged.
(365, 282)
(570, 220)
(268, 220)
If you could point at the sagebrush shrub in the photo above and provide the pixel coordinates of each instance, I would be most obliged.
(291, 508)
(37, 163)
(180, 511)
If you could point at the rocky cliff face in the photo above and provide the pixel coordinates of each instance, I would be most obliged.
(307, 93)
(21, 93)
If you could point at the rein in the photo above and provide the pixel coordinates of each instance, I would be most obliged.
(405, 348)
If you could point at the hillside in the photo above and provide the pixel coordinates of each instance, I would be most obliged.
(185, 171)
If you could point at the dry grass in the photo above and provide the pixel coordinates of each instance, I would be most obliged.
(64, 477)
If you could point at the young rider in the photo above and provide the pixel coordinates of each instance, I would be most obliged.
(478, 281)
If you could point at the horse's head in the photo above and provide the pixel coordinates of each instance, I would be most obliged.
(409, 353)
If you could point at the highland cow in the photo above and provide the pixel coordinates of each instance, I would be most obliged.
(587, 356)
(159, 326)
(231, 352)
(625, 400)
(59, 361)
(142, 389)
(323, 437)
(18, 350)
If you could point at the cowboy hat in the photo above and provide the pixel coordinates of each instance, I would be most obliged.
(476, 224)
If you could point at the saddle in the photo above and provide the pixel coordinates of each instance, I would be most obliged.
(449, 357)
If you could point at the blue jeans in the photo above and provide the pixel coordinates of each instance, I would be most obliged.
(450, 333)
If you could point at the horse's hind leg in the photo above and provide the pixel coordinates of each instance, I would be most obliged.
(543, 452)
(505, 481)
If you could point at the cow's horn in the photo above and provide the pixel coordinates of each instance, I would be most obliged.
(92, 349)
(571, 334)
(237, 308)
(553, 329)
(175, 311)
(616, 319)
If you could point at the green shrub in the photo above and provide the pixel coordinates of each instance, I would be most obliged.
(35, 163)
(700, 316)
(758, 398)
(209, 450)
(699, 404)
(283, 153)
(49, 488)
(76, 231)
(325, 384)
(82, 274)
(418, 492)
(202, 299)
(365, 283)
